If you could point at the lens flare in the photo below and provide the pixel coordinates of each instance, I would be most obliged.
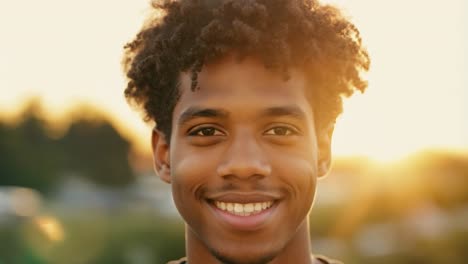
(50, 227)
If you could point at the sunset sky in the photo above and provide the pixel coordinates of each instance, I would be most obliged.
(69, 52)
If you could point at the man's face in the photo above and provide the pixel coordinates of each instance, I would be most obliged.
(242, 159)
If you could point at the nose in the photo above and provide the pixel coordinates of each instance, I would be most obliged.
(244, 158)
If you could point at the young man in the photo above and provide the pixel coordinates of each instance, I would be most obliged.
(245, 94)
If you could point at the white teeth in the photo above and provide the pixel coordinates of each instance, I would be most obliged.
(243, 209)
(258, 207)
(248, 208)
(238, 208)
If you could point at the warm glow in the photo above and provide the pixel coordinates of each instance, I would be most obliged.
(50, 227)
(417, 84)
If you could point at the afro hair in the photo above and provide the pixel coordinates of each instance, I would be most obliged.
(183, 35)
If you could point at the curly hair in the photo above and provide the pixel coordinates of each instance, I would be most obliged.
(183, 35)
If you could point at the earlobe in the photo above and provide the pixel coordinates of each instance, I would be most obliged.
(324, 144)
(165, 173)
(161, 161)
(323, 167)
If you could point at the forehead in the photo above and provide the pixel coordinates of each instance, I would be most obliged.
(242, 86)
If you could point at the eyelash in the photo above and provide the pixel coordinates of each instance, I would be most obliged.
(289, 131)
(197, 131)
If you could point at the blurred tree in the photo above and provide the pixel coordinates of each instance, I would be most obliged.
(95, 150)
(27, 153)
(447, 177)
(91, 148)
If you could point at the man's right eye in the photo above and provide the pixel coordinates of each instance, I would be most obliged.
(205, 132)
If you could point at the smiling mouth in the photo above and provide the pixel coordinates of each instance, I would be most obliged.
(243, 209)
(244, 212)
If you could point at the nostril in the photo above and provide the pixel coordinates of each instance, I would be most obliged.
(253, 177)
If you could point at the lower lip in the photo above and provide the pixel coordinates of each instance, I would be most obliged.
(245, 223)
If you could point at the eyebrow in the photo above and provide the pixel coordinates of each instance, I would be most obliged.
(288, 110)
(194, 112)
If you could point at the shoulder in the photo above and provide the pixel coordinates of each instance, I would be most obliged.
(319, 259)
(180, 261)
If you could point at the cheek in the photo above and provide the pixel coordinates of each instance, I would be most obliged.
(192, 163)
(300, 176)
(190, 170)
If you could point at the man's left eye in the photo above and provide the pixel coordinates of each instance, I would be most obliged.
(280, 131)
(206, 132)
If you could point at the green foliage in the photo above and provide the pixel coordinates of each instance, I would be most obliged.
(96, 239)
(96, 151)
(10, 253)
(28, 156)
(90, 148)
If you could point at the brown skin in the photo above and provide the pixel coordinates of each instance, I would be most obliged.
(244, 149)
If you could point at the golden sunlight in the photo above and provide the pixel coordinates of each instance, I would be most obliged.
(416, 83)
(50, 227)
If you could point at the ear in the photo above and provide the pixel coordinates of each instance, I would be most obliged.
(161, 155)
(324, 138)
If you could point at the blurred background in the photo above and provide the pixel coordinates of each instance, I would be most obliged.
(76, 180)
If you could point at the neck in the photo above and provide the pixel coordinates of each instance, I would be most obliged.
(297, 250)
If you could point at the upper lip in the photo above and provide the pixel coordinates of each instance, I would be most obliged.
(244, 197)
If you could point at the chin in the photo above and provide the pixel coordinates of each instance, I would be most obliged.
(250, 256)
(244, 259)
